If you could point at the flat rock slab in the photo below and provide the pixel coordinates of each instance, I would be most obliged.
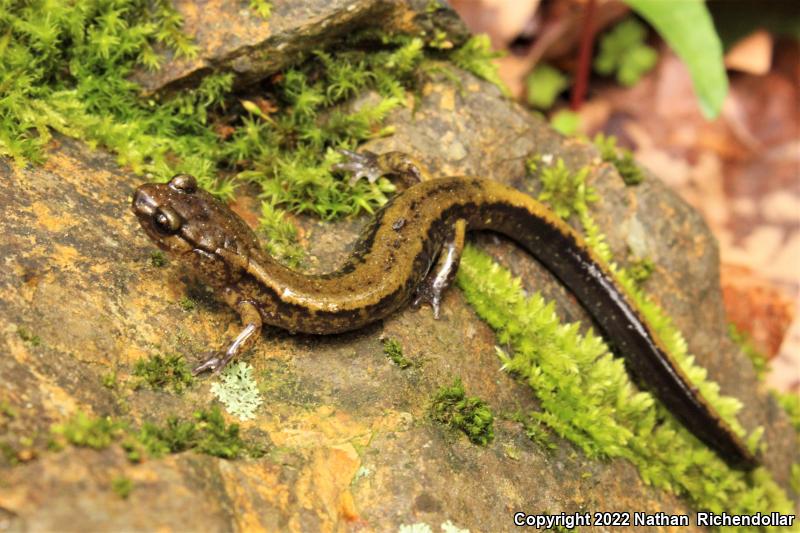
(350, 445)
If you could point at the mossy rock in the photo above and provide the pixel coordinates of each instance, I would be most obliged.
(349, 440)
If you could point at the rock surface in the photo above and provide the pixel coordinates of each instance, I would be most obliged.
(349, 444)
(230, 37)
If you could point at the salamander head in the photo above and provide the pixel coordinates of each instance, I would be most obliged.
(185, 220)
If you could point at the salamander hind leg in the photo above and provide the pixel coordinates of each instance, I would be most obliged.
(443, 272)
(372, 166)
(251, 319)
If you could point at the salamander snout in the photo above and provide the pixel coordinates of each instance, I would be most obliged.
(157, 207)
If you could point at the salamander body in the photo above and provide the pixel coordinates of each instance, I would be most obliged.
(409, 253)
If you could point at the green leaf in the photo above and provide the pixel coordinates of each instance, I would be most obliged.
(543, 86)
(566, 122)
(688, 29)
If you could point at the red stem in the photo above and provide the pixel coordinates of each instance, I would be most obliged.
(584, 57)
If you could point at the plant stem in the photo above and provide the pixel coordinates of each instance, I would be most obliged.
(584, 57)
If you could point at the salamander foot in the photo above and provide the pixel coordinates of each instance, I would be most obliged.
(363, 165)
(215, 364)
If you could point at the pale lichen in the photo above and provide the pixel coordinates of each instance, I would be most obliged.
(238, 391)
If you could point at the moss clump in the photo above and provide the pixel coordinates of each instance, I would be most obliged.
(83, 430)
(7, 412)
(640, 270)
(109, 380)
(394, 351)
(262, 8)
(476, 56)
(535, 430)
(28, 336)
(564, 190)
(206, 433)
(187, 304)
(122, 486)
(453, 408)
(217, 438)
(791, 404)
(158, 259)
(621, 158)
(158, 440)
(9, 454)
(568, 194)
(161, 372)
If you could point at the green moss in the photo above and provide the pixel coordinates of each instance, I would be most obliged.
(394, 351)
(161, 372)
(262, 8)
(640, 270)
(66, 67)
(564, 190)
(9, 454)
(109, 380)
(187, 304)
(157, 258)
(476, 56)
(587, 397)
(206, 433)
(122, 486)
(61, 61)
(83, 430)
(217, 438)
(745, 343)
(585, 392)
(28, 336)
(791, 404)
(453, 408)
(174, 436)
(621, 158)
(289, 151)
(7, 411)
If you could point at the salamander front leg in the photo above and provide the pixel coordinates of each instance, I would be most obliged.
(372, 166)
(251, 319)
(443, 272)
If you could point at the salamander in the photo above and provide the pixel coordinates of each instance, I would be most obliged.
(409, 253)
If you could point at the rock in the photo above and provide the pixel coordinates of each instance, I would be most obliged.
(349, 444)
(230, 37)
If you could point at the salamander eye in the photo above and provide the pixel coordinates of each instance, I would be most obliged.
(167, 220)
(183, 183)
